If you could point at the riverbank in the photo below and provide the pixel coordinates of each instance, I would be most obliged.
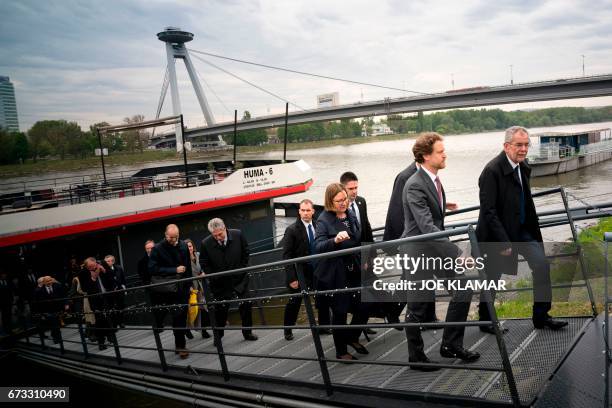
(150, 156)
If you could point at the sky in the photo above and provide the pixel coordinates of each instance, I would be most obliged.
(93, 61)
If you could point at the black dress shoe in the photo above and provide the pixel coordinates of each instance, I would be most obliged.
(347, 357)
(324, 332)
(102, 347)
(205, 334)
(189, 334)
(288, 336)
(423, 360)
(370, 331)
(250, 337)
(359, 348)
(459, 352)
(550, 323)
(490, 330)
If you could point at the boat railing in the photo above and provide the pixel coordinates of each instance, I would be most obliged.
(307, 294)
(552, 151)
(602, 146)
(54, 195)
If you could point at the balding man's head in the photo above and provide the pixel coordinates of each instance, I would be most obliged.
(172, 234)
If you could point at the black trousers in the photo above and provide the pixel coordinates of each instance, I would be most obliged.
(50, 321)
(179, 315)
(359, 310)
(103, 329)
(245, 308)
(533, 252)
(292, 309)
(423, 307)
(7, 323)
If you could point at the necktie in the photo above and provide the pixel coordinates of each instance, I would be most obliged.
(222, 244)
(521, 198)
(355, 213)
(49, 290)
(439, 190)
(311, 238)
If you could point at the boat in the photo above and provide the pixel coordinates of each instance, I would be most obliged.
(561, 152)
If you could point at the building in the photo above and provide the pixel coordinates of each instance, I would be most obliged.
(328, 100)
(8, 106)
(376, 130)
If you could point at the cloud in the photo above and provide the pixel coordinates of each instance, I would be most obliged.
(95, 61)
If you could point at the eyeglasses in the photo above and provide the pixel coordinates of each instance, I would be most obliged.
(521, 145)
(341, 201)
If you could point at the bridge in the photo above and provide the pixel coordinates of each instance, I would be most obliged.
(584, 87)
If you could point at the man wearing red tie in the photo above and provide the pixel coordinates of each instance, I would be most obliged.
(424, 203)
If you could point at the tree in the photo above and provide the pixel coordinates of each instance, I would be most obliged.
(253, 137)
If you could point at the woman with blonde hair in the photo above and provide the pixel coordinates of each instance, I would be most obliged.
(337, 229)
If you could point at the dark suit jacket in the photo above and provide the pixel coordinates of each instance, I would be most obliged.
(423, 212)
(164, 260)
(364, 222)
(394, 224)
(143, 269)
(91, 287)
(331, 273)
(498, 221)
(26, 285)
(295, 245)
(500, 192)
(41, 295)
(119, 275)
(215, 258)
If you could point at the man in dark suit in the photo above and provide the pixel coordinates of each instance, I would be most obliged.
(27, 283)
(298, 241)
(118, 274)
(170, 260)
(48, 306)
(7, 290)
(223, 250)
(359, 208)
(143, 263)
(394, 224)
(424, 203)
(508, 218)
(93, 284)
(357, 205)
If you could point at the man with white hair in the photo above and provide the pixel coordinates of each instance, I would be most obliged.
(223, 250)
(508, 225)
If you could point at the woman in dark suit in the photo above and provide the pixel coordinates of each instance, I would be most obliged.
(337, 229)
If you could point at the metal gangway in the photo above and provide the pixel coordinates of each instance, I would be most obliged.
(515, 369)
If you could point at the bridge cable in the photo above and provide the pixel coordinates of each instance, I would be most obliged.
(162, 96)
(308, 73)
(248, 82)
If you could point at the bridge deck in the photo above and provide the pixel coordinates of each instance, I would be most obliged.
(533, 354)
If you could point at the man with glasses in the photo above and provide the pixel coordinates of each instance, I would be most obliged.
(508, 219)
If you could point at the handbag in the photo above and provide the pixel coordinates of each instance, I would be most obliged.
(171, 287)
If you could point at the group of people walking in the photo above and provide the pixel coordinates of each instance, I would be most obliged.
(417, 206)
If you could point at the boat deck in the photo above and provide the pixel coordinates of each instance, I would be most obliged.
(534, 355)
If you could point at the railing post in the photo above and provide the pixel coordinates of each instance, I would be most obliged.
(83, 341)
(213, 325)
(158, 343)
(501, 344)
(570, 220)
(316, 337)
(116, 346)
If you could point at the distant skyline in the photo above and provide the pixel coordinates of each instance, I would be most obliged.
(91, 61)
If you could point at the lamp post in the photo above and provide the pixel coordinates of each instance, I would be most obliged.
(101, 154)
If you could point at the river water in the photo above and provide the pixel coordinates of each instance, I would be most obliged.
(376, 165)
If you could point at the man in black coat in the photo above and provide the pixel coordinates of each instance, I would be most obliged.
(143, 263)
(508, 218)
(299, 241)
(118, 274)
(48, 307)
(358, 206)
(394, 224)
(223, 250)
(424, 204)
(170, 260)
(93, 284)
(7, 290)
(27, 283)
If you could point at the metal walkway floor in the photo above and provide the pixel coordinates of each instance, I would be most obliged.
(534, 355)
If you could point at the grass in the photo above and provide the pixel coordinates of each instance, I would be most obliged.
(148, 156)
(570, 301)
